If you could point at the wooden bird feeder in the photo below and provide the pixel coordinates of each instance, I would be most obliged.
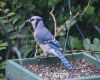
(15, 71)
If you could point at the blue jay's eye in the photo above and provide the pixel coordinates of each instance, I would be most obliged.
(32, 20)
(36, 20)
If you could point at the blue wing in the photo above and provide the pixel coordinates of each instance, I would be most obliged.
(44, 36)
(52, 41)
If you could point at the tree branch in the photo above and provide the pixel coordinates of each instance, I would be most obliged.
(88, 51)
(54, 19)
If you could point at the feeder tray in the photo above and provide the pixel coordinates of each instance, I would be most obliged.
(15, 70)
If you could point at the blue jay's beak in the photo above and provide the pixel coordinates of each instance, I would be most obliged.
(28, 21)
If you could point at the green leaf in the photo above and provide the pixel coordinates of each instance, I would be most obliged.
(2, 65)
(69, 23)
(3, 44)
(26, 49)
(0, 58)
(96, 41)
(21, 26)
(93, 47)
(86, 43)
(4, 21)
(9, 29)
(90, 10)
(30, 6)
(13, 35)
(2, 48)
(62, 33)
(53, 3)
(61, 41)
(14, 1)
(10, 14)
(2, 76)
(75, 43)
(22, 35)
(3, 17)
(15, 20)
(71, 43)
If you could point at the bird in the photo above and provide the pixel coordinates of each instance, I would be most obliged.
(47, 41)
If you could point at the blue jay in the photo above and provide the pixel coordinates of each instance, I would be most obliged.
(46, 40)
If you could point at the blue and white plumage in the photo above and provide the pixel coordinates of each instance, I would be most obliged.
(46, 40)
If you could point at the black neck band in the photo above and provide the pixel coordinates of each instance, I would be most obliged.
(37, 21)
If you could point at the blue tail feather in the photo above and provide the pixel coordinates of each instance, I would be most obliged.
(64, 60)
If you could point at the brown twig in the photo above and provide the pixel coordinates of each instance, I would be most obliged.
(80, 14)
(77, 14)
(88, 51)
(54, 19)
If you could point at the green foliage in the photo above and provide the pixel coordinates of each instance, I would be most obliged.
(90, 10)
(61, 41)
(75, 43)
(95, 45)
(3, 45)
(15, 12)
(14, 15)
(2, 77)
(14, 19)
(26, 49)
(86, 43)
(2, 65)
(53, 2)
(2, 4)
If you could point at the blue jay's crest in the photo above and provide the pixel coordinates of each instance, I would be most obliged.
(36, 17)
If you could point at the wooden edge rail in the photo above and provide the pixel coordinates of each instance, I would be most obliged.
(97, 52)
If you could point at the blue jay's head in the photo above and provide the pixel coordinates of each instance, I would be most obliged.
(34, 20)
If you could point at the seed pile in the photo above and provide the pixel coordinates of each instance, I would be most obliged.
(57, 72)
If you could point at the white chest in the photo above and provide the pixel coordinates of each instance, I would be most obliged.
(45, 47)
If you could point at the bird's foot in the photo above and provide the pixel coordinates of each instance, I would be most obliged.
(44, 55)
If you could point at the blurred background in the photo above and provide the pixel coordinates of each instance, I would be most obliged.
(14, 31)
